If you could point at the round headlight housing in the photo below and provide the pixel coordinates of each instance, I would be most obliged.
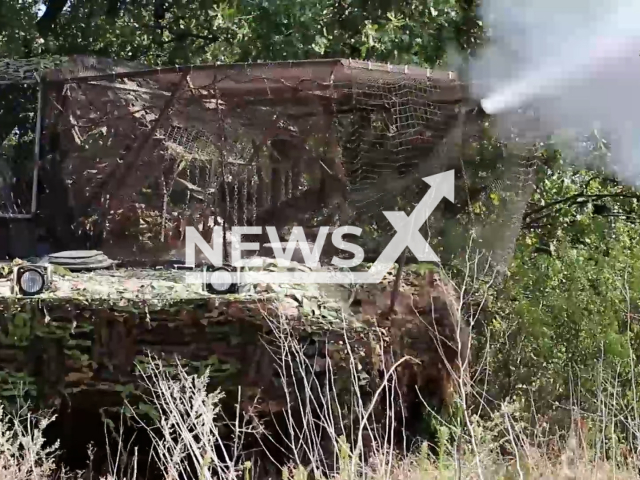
(219, 281)
(30, 281)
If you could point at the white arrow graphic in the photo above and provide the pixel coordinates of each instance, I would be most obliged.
(407, 228)
(407, 235)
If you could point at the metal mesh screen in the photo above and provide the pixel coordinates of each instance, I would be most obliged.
(140, 154)
(18, 118)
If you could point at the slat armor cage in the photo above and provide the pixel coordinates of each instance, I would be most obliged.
(137, 153)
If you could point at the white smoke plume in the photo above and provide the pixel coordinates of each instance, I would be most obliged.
(575, 62)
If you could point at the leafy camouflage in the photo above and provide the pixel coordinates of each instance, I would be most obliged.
(26, 70)
(84, 340)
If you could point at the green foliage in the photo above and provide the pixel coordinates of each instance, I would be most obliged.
(566, 318)
(18, 34)
(179, 31)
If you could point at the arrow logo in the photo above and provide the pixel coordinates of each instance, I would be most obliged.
(408, 228)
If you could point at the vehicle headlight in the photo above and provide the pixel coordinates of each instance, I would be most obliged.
(30, 280)
(219, 281)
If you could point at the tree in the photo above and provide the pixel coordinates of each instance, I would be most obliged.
(179, 31)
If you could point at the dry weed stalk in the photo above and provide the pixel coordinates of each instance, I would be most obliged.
(186, 437)
(23, 454)
(323, 434)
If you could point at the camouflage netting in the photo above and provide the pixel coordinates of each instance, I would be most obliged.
(256, 144)
(133, 155)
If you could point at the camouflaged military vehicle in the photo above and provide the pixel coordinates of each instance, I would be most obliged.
(127, 157)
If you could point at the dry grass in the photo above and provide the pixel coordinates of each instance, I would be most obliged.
(187, 435)
(23, 454)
